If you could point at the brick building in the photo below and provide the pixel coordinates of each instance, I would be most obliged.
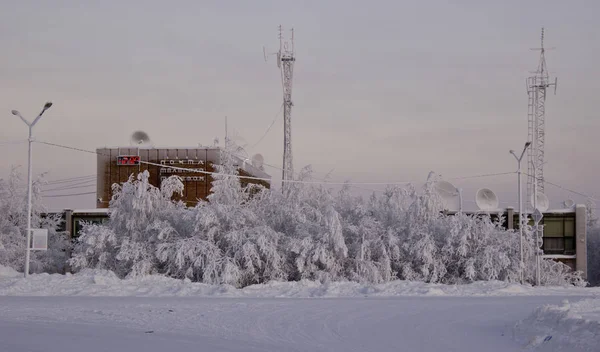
(115, 165)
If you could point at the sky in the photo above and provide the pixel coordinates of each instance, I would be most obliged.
(384, 91)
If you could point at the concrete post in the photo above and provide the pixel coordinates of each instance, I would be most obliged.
(510, 217)
(69, 230)
(581, 239)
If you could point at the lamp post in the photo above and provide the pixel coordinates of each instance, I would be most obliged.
(519, 158)
(29, 172)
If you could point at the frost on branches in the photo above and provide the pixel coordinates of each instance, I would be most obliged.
(13, 228)
(249, 235)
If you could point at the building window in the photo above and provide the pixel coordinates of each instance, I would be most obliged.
(559, 235)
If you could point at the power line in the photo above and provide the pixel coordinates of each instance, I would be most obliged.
(321, 182)
(69, 180)
(13, 142)
(269, 128)
(483, 175)
(71, 148)
(269, 179)
(568, 190)
(65, 188)
(67, 195)
(220, 174)
(71, 184)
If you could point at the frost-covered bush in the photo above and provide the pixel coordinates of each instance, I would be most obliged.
(247, 235)
(13, 225)
(142, 217)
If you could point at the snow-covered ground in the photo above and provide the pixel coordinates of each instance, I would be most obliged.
(75, 312)
(104, 283)
(576, 325)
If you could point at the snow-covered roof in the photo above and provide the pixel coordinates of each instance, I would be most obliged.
(92, 211)
(161, 147)
(82, 211)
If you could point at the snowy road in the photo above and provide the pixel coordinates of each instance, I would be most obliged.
(171, 324)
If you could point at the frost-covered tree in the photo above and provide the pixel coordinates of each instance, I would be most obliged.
(229, 244)
(13, 227)
(141, 217)
(244, 235)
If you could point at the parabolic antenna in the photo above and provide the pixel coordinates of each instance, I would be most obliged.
(139, 138)
(486, 199)
(258, 161)
(542, 202)
(568, 203)
(449, 195)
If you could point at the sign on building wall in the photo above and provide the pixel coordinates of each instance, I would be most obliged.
(187, 169)
(128, 160)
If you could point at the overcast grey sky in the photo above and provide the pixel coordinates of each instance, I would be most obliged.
(383, 90)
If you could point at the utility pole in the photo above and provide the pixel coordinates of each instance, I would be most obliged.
(521, 219)
(29, 179)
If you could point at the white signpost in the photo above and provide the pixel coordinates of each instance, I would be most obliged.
(39, 240)
(537, 216)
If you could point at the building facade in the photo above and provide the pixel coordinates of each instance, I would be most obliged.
(564, 233)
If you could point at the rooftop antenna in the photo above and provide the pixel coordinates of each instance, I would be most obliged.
(450, 196)
(139, 138)
(568, 204)
(286, 57)
(486, 200)
(536, 121)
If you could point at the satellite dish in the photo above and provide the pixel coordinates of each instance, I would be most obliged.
(486, 199)
(542, 202)
(258, 161)
(569, 203)
(449, 194)
(139, 138)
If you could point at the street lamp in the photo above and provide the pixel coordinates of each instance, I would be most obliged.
(29, 171)
(519, 158)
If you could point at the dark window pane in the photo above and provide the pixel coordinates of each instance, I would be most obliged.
(570, 227)
(554, 245)
(553, 228)
(569, 245)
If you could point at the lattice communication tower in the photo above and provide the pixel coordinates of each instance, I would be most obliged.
(537, 86)
(286, 57)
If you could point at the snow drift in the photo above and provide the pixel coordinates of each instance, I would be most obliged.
(94, 282)
(572, 326)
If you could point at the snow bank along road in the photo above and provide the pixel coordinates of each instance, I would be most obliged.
(149, 324)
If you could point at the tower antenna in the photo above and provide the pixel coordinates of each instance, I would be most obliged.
(286, 57)
(536, 122)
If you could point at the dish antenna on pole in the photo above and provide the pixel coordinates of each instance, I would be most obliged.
(486, 199)
(450, 195)
(543, 203)
(139, 138)
(569, 203)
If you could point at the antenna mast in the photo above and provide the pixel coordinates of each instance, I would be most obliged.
(286, 57)
(536, 117)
